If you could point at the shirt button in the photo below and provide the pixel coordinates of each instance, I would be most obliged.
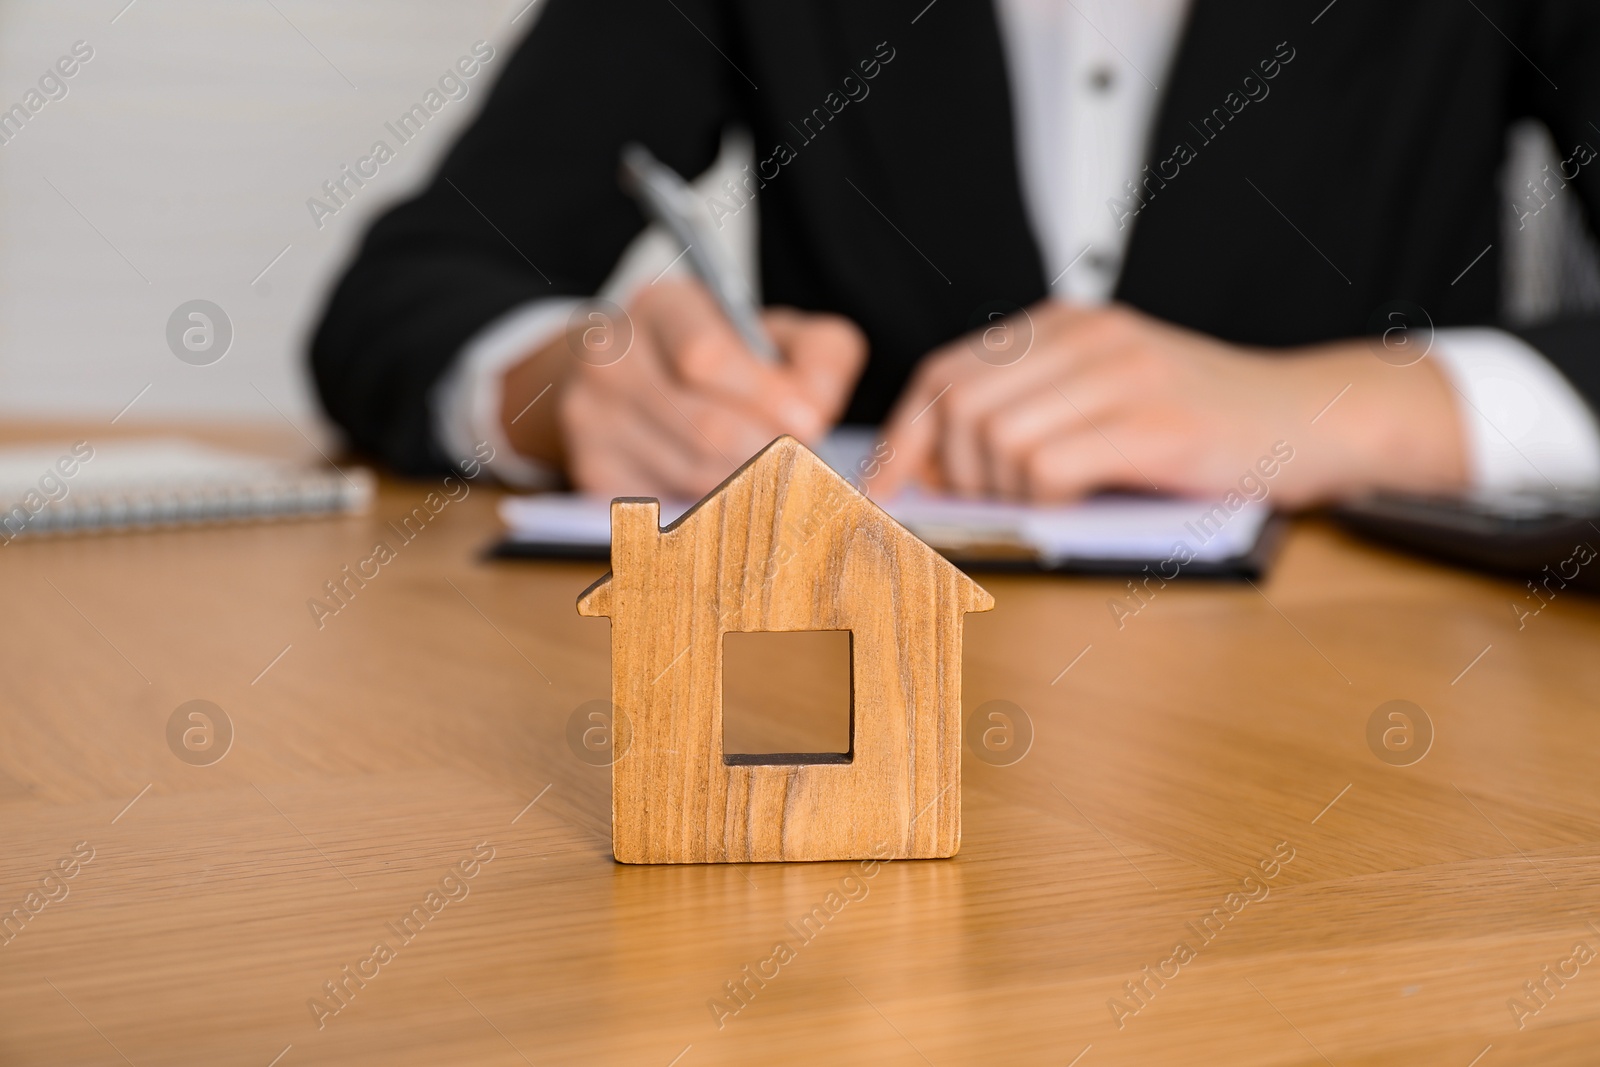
(1102, 78)
(1101, 263)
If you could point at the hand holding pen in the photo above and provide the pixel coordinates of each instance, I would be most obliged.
(707, 379)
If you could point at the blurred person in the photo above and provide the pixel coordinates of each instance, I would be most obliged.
(1051, 247)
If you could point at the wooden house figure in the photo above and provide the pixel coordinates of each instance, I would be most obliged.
(784, 544)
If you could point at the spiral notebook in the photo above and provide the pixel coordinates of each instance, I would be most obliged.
(125, 484)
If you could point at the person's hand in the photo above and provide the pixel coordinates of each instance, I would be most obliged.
(1066, 400)
(668, 401)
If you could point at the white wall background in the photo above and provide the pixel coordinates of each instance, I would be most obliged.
(178, 166)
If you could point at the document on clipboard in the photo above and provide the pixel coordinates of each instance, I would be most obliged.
(1107, 534)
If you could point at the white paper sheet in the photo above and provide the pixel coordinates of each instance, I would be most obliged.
(1111, 527)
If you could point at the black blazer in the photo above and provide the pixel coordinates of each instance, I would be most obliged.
(1364, 173)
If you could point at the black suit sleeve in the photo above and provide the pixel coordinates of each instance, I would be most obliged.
(525, 206)
(1560, 83)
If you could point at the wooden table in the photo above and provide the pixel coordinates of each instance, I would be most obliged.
(424, 725)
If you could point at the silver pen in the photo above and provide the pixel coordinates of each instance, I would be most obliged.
(666, 199)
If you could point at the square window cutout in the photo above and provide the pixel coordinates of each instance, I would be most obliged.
(786, 697)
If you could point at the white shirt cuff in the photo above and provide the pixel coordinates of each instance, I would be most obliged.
(1527, 428)
(466, 401)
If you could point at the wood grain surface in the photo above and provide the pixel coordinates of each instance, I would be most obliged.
(785, 544)
(406, 775)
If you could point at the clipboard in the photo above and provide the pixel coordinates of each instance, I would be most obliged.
(1107, 535)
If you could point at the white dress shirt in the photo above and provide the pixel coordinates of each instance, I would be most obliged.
(1085, 81)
